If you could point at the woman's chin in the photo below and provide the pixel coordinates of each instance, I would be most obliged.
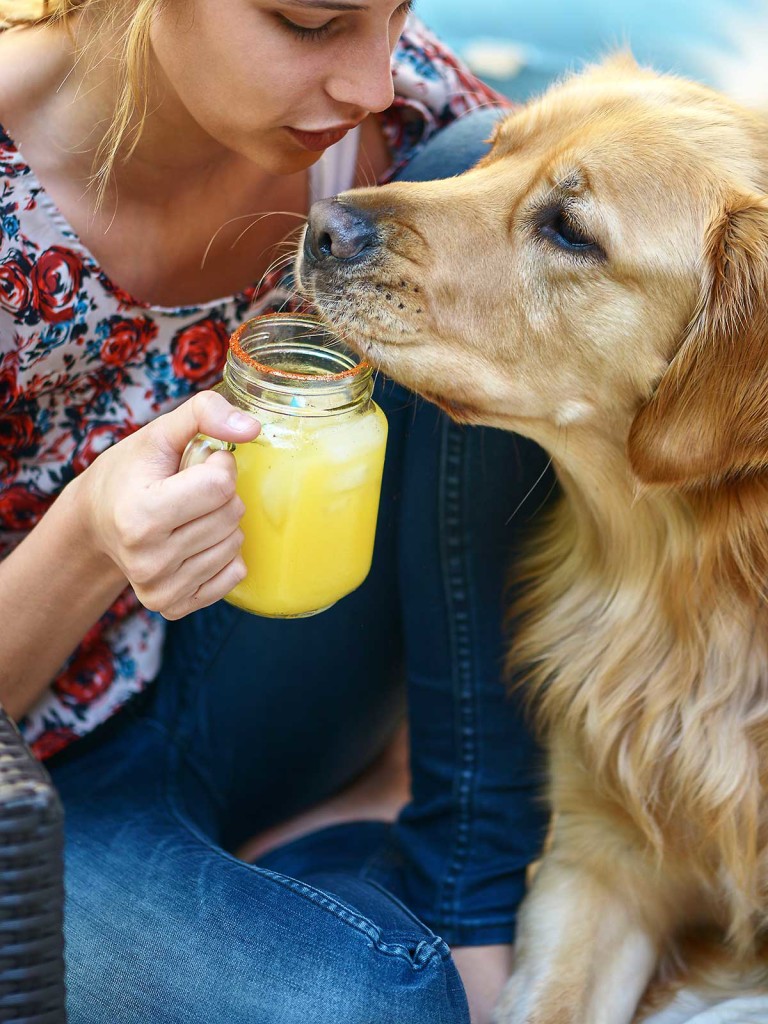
(281, 155)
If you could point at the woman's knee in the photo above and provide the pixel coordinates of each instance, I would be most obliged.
(222, 942)
(296, 981)
(454, 149)
(377, 962)
(430, 992)
(382, 987)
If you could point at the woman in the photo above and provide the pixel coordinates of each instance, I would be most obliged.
(139, 139)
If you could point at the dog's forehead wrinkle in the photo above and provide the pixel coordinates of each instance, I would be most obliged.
(679, 211)
(577, 175)
(568, 178)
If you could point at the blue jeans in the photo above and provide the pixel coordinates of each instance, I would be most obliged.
(251, 720)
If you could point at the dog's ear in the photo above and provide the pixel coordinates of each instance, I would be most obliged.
(708, 417)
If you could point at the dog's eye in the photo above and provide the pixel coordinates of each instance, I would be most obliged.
(558, 228)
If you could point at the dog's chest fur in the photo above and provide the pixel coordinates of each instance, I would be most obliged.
(650, 652)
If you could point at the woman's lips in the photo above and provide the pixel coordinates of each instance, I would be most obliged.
(317, 141)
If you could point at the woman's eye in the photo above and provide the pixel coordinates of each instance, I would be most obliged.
(321, 31)
(558, 227)
(303, 32)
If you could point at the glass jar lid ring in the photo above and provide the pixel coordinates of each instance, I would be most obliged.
(236, 347)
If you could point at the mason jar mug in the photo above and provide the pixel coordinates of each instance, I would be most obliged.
(311, 479)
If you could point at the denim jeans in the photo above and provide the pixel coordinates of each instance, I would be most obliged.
(251, 720)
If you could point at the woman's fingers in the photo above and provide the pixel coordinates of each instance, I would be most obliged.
(215, 588)
(171, 534)
(194, 492)
(207, 530)
(166, 558)
(204, 573)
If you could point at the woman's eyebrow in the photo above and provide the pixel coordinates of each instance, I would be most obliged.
(332, 5)
(326, 5)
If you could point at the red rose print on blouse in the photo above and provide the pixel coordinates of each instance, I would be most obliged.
(9, 380)
(198, 352)
(21, 508)
(123, 298)
(51, 742)
(127, 339)
(17, 437)
(56, 278)
(16, 288)
(10, 165)
(17, 432)
(126, 603)
(88, 674)
(97, 440)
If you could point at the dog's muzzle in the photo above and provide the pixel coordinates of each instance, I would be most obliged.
(338, 233)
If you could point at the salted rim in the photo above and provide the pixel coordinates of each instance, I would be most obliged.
(238, 350)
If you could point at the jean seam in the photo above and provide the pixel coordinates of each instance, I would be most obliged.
(437, 940)
(186, 717)
(425, 951)
(458, 605)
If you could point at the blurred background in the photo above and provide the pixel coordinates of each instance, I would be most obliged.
(520, 46)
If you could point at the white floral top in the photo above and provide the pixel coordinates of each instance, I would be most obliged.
(83, 364)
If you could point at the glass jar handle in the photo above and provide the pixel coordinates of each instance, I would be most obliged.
(200, 447)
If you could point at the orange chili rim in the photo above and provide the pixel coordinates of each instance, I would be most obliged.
(235, 345)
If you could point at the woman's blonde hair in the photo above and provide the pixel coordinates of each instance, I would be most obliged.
(128, 22)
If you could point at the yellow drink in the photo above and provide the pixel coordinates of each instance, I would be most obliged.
(311, 490)
(310, 481)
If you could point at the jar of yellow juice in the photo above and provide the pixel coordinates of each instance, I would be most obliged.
(311, 480)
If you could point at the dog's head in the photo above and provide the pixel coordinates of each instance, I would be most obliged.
(605, 267)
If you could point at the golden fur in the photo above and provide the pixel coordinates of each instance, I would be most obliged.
(641, 364)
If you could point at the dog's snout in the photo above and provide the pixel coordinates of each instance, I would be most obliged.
(337, 231)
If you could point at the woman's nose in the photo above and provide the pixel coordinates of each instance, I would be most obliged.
(364, 82)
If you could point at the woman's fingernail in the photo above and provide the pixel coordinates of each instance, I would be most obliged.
(241, 420)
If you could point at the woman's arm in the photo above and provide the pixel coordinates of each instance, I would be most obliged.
(130, 518)
(53, 587)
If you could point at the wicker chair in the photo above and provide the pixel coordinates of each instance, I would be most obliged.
(31, 887)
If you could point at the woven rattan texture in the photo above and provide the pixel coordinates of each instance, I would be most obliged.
(31, 887)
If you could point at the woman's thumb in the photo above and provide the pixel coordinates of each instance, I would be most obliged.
(205, 413)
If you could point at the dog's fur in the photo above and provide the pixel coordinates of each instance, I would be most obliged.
(641, 365)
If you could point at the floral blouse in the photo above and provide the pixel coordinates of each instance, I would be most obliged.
(83, 364)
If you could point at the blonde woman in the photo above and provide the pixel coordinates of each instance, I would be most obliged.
(145, 147)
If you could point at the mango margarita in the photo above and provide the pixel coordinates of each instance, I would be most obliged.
(311, 490)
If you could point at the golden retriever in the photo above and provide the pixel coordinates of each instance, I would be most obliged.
(599, 283)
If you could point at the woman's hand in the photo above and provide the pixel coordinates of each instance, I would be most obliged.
(174, 535)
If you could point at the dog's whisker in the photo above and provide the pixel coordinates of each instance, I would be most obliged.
(278, 263)
(244, 216)
(529, 492)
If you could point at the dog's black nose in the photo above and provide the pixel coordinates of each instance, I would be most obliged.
(337, 231)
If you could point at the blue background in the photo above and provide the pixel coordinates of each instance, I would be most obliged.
(721, 42)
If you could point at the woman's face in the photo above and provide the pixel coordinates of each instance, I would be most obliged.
(260, 76)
